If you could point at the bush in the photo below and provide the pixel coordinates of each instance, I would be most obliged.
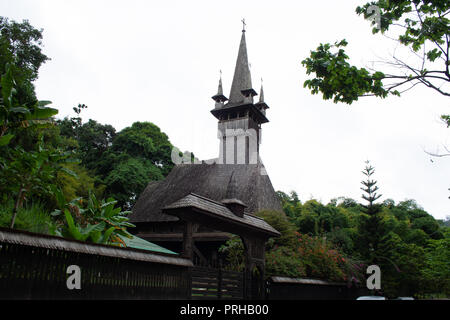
(33, 218)
(297, 255)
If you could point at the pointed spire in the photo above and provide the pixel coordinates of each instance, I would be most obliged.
(242, 81)
(261, 105)
(219, 97)
(220, 89)
(261, 93)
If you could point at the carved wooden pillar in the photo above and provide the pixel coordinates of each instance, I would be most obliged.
(254, 257)
(248, 269)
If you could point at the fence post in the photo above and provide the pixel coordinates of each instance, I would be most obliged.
(219, 284)
(189, 285)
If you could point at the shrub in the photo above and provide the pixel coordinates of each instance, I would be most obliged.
(33, 217)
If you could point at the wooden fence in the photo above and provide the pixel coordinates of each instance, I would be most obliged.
(211, 283)
(35, 266)
(284, 288)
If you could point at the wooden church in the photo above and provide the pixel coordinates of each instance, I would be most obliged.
(222, 194)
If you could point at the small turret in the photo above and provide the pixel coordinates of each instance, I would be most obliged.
(219, 98)
(261, 105)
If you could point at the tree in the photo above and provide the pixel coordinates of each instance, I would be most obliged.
(437, 266)
(20, 46)
(404, 240)
(128, 179)
(291, 204)
(14, 114)
(279, 221)
(424, 29)
(30, 173)
(93, 139)
(24, 172)
(370, 227)
(123, 162)
(370, 189)
(296, 255)
(145, 139)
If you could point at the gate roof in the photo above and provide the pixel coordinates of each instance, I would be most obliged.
(196, 208)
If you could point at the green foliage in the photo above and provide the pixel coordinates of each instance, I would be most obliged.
(297, 255)
(91, 220)
(77, 184)
(423, 25)
(370, 188)
(233, 250)
(446, 119)
(436, 272)
(397, 238)
(123, 162)
(408, 244)
(33, 217)
(279, 221)
(129, 178)
(145, 140)
(20, 48)
(323, 261)
(94, 139)
(290, 203)
(284, 261)
(36, 156)
(13, 114)
(27, 174)
(343, 239)
(336, 79)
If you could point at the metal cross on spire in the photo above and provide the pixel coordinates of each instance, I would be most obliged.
(243, 24)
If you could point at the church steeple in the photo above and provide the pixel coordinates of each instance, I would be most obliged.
(241, 87)
(240, 119)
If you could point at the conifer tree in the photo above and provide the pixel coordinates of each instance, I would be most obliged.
(370, 228)
(370, 189)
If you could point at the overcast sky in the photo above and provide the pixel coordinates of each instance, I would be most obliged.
(159, 61)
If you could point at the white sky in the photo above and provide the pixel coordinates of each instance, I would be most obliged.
(159, 61)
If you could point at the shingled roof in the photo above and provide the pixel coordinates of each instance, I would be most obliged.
(220, 211)
(210, 181)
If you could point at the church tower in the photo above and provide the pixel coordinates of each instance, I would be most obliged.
(240, 119)
(236, 183)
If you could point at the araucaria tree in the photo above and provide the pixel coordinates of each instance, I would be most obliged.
(370, 188)
(370, 227)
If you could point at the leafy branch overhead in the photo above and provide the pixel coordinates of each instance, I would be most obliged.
(421, 27)
(337, 79)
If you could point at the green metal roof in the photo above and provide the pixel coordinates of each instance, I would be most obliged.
(139, 243)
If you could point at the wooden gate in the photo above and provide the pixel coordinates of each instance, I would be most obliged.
(210, 283)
